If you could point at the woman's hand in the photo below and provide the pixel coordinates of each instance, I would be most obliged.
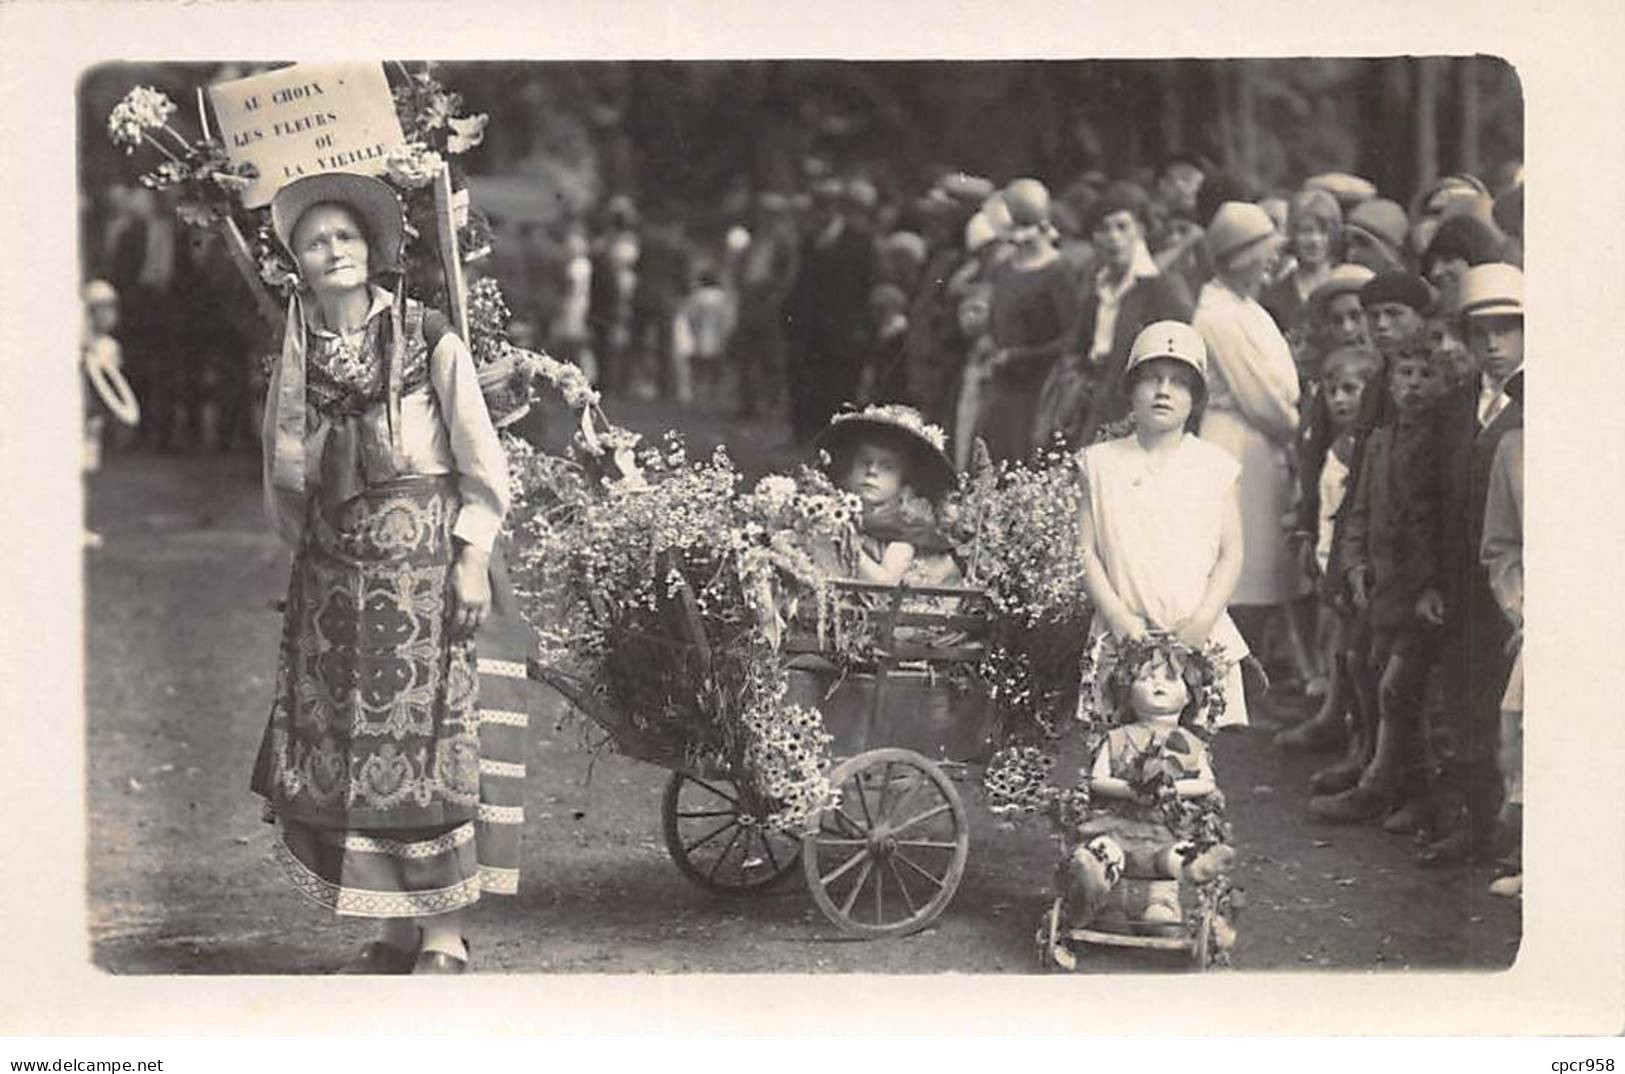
(1193, 631)
(471, 591)
(1129, 626)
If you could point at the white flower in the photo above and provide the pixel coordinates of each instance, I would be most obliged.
(466, 132)
(776, 490)
(413, 165)
(141, 108)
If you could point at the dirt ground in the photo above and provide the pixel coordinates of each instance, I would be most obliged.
(181, 654)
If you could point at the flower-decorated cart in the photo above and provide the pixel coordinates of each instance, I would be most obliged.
(810, 721)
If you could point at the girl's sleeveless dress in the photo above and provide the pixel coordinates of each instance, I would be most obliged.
(1157, 528)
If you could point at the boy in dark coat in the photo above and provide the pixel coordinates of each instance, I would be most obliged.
(1474, 661)
(1391, 571)
(1394, 304)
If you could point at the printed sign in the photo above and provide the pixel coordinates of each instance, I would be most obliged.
(307, 119)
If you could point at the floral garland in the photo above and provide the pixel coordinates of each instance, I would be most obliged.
(606, 553)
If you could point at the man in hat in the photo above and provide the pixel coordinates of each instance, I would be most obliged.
(827, 311)
(613, 293)
(1474, 662)
(767, 269)
(933, 346)
(1174, 223)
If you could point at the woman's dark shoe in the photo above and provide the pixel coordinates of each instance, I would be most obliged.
(439, 962)
(380, 957)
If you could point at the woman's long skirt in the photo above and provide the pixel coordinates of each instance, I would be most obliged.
(393, 757)
(1269, 573)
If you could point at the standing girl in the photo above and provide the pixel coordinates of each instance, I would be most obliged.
(384, 472)
(1160, 529)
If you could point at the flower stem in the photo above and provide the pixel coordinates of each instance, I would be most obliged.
(161, 147)
(186, 147)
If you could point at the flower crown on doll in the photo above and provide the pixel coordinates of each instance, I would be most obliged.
(1120, 661)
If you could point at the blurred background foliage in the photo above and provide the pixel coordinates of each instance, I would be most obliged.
(681, 137)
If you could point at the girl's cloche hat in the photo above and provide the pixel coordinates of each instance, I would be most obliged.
(372, 200)
(1167, 339)
(931, 471)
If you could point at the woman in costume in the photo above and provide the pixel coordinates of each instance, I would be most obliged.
(390, 762)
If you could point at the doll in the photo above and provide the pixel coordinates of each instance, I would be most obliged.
(1152, 805)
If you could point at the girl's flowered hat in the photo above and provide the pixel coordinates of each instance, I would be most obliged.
(931, 472)
(372, 200)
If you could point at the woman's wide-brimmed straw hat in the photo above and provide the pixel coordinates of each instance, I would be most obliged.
(931, 472)
(372, 200)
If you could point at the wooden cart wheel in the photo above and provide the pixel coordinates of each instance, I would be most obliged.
(1201, 944)
(887, 859)
(711, 838)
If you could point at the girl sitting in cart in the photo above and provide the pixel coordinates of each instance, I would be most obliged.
(898, 466)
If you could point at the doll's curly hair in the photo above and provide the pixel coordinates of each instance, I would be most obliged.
(1123, 660)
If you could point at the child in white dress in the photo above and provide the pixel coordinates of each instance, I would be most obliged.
(1160, 529)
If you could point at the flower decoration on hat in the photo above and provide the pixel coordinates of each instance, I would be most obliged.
(903, 417)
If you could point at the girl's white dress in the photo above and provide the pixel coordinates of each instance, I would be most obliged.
(1157, 525)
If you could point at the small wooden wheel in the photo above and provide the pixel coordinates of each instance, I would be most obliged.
(113, 389)
(713, 837)
(887, 859)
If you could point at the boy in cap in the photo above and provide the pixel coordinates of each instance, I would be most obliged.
(1474, 662)
(1394, 303)
(1391, 574)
